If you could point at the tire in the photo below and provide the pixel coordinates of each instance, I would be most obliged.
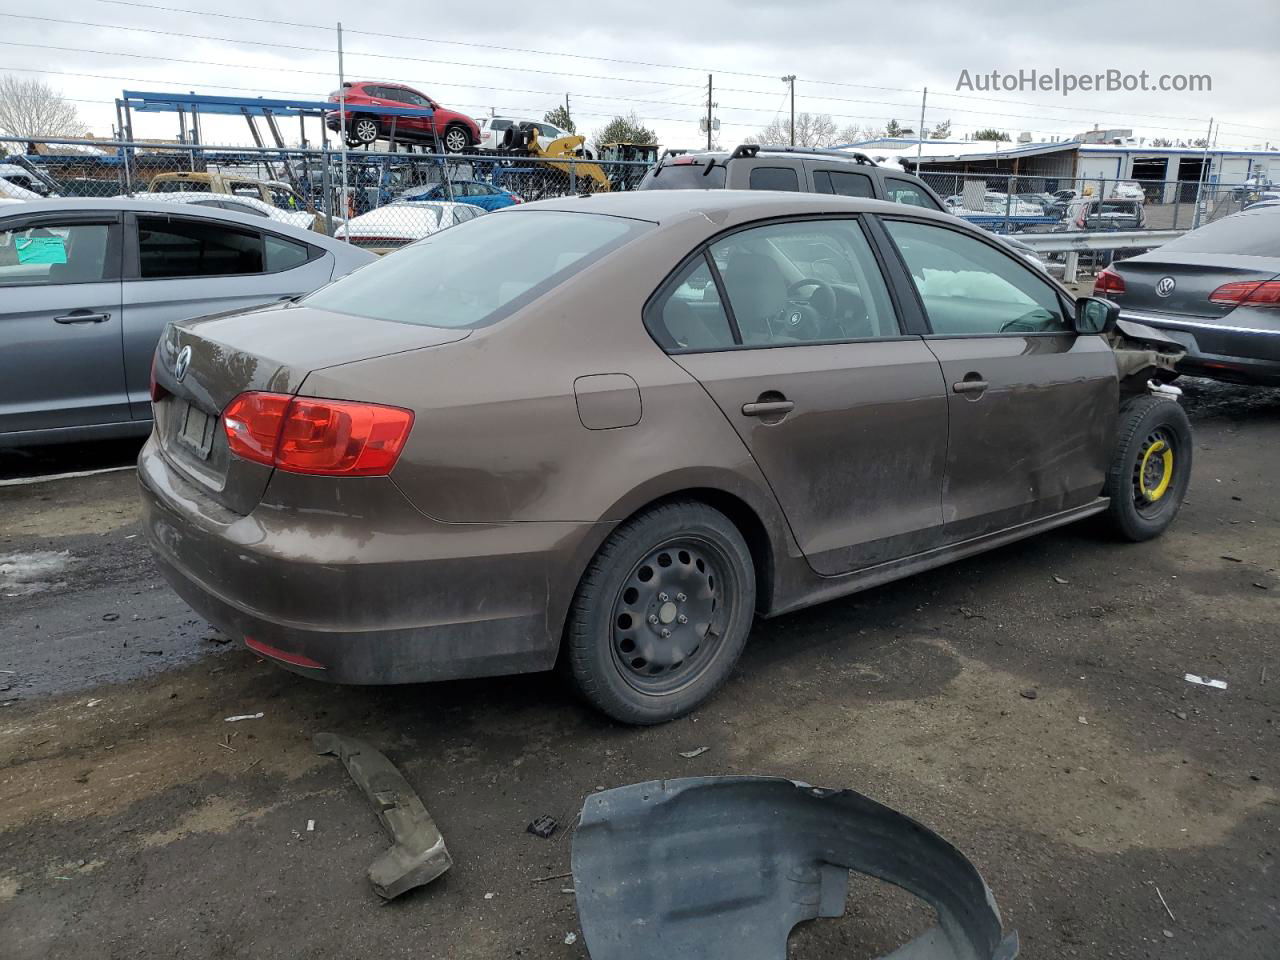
(681, 568)
(1151, 467)
(364, 130)
(456, 139)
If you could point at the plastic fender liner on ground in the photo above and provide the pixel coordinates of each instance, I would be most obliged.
(724, 867)
(418, 855)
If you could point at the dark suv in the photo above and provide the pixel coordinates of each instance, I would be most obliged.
(365, 124)
(800, 169)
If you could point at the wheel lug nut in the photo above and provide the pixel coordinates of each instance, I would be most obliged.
(653, 619)
(663, 597)
(682, 618)
(681, 597)
(665, 633)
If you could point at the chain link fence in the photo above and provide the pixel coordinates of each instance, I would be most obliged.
(379, 200)
(1023, 204)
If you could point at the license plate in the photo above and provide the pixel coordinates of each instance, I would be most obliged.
(196, 432)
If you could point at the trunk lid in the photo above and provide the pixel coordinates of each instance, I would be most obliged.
(1195, 276)
(270, 349)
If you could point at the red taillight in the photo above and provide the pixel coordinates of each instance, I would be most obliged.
(1248, 292)
(1108, 281)
(308, 435)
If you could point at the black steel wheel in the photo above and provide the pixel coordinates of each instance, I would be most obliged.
(661, 614)
(1151, 467)
(669, 615)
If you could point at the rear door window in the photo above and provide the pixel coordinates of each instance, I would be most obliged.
(903, 191)
(804, 281)
(774, 178)
(172, 247)
(843, 183)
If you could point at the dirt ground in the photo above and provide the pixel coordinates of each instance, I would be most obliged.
(136, 823)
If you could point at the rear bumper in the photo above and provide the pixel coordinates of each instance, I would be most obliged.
(375, 593)
(1221, 351)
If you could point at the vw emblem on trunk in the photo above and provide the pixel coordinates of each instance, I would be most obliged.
(795, 319)
(180, 365)
(1165, 286)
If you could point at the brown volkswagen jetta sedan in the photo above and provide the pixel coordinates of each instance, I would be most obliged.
(610, 430)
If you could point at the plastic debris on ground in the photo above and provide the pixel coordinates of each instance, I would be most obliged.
(1205, 681)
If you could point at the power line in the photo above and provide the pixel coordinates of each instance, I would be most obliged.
(557, 94)
(644, 63)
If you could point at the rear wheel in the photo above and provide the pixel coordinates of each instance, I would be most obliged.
(662, 614)
(1151, 468)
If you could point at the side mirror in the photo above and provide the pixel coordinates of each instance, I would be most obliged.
(1096, 315)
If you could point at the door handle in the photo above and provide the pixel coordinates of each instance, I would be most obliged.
(767, 408)
(82, 316)
(972, 383)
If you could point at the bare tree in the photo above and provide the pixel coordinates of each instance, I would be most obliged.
(31, 109)
(812, 130)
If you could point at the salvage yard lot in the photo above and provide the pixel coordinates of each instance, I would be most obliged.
(1028, 704)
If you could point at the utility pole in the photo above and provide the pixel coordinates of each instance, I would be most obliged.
(567, 115)
(791, 79)
(342, 128)
(1204, 170)
(920, 133)
(709, 106)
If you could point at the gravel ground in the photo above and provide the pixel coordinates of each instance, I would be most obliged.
(136, 823)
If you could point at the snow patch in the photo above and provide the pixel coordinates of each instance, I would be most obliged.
(24, 573)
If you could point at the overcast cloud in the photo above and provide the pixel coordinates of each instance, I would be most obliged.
(885, 53)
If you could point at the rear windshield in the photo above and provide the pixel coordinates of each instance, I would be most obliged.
(1247, 234)
(180, 186)
(684, 176)
(477, 273)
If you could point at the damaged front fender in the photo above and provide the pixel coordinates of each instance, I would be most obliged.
(724, 867)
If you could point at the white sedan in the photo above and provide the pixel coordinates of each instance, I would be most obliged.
(399, 224)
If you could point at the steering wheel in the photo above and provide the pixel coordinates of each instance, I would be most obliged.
(822, 299)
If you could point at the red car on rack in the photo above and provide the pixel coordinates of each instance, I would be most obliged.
(457, 131)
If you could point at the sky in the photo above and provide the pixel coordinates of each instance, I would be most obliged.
(863, 64)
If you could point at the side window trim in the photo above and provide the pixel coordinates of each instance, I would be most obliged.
(994, 245)
(722, 293)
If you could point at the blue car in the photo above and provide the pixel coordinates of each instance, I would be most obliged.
(483, 195)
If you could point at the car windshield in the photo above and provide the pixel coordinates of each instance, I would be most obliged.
(685, 176)
(477, 273)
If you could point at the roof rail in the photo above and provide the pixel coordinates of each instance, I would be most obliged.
(854, 155)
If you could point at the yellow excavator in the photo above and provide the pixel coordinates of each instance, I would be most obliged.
(524, 139)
